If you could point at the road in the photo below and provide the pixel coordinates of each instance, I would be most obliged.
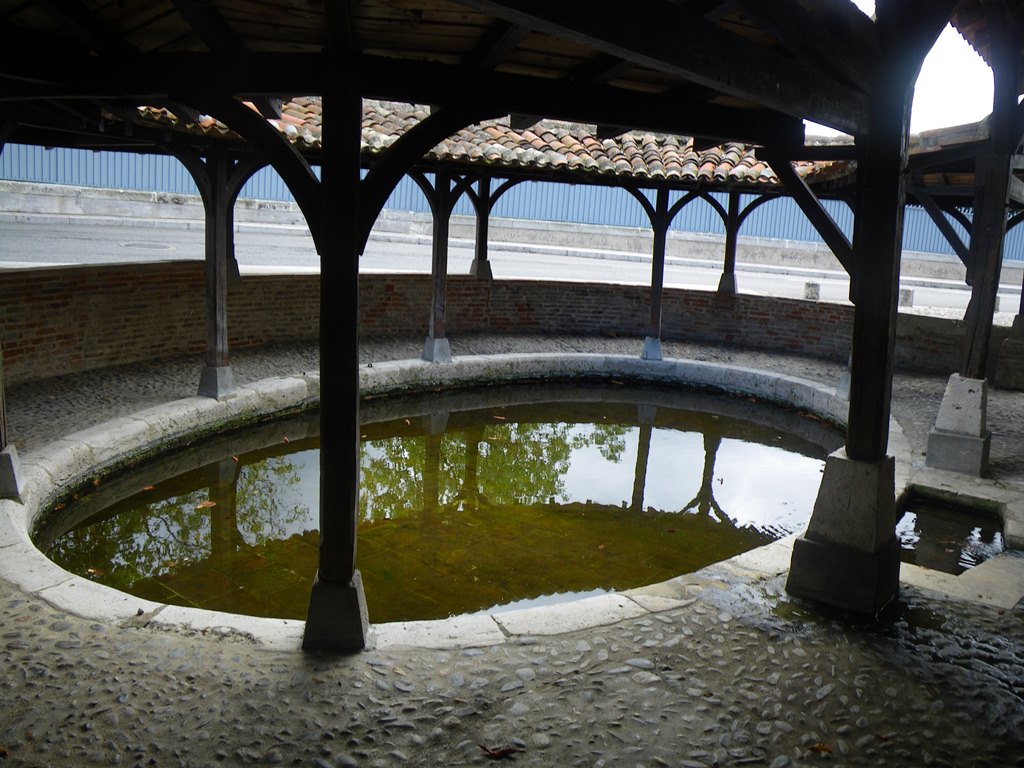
(267, 248)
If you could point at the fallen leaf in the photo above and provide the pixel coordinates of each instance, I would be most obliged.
(821, 749)
(95, 482)
(3, 752)
(234, 459)
(600, 546)
(408, 423)
(95, 571)
(149, 487)
(206, 504)
(499, 753)
(286, 439)
(500, 418)
(59, 507)
(671, 530)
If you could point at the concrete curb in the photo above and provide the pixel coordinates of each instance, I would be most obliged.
(57, 468)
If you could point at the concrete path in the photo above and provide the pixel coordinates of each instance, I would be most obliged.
(732, 672)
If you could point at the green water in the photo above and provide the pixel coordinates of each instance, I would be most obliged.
(459, 512)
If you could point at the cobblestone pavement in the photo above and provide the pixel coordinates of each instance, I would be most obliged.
(741, 675)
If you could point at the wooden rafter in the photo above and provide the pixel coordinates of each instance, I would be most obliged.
(712, 56)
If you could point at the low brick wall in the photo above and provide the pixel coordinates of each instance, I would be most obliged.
(70, 319)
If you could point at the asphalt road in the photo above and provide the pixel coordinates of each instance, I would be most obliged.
(35, 244)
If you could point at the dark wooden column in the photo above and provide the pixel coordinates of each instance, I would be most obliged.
(849, 556)
(993, 177)
(660, 215)
(659, 223)
(437, 349)
(219, 179)
(727, 282)
(10, 482)
(483, 199)
(481, 267)
(337, 618)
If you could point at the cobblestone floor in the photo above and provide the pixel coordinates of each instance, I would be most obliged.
(742, 675)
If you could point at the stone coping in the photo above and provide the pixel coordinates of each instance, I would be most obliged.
(55, 469)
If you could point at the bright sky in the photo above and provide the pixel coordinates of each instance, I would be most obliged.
(955, 85)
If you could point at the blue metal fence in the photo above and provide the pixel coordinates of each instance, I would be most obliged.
(547, 201)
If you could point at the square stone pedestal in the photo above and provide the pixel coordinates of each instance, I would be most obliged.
(10, 474)
(849, 557)
(337, 619)
(437, 350)
(216, 381)
(960, 440)
(652, 349)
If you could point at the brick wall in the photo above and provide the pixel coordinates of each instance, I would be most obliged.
(68, 319)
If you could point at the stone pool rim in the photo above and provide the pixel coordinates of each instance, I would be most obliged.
(71, 461)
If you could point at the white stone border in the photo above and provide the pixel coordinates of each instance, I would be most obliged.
(56, 468)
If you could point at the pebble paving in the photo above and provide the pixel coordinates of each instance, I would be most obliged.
(740, 675)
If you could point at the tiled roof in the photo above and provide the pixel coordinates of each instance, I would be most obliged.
(546, 146)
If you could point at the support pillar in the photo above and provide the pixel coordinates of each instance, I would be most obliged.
(960, 440)
(436, 348)
(217, 379)
(337, 618)
(659, 221)
(727, 282)
(481, 266)
(849, 556)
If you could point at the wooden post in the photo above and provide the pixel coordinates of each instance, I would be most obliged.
(436, 349)
(337, 618)
(992, 179)
(217, 380)
(481, 268)
(849, 556)
(877, 245)
(727, 283)
(659, 222)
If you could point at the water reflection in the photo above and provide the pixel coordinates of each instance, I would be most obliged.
(458, 512)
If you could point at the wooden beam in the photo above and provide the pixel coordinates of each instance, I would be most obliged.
(712, 56)
(815, 212)
(211, 28)
(807, 37)
(495, 44)
(945, 227)
(279, 152)
(84, 26)
(399, 158)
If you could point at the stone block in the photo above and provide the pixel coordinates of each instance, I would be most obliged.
(844, 577)
(10, 474)
(337, 618)
(652, 349)
(856, 503)
(437, 350)
(957, 452)
(216, 381)
(964, 407)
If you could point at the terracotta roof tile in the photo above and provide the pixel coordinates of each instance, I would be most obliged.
(548, 144)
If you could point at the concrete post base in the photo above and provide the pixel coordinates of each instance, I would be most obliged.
(437, 350)
(481, 270)
(652, 349)
(10, 474)
(216, 382)
(960, 440)
(337, 618)
(849, 557)
(844, 577)
(727, 282)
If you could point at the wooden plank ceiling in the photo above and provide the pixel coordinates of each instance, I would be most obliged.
(741, 70)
